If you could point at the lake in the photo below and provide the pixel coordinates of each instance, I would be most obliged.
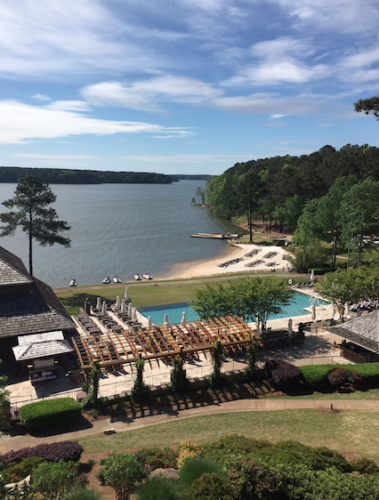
(121, 229)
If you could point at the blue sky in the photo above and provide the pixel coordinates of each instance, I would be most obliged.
(183, 86)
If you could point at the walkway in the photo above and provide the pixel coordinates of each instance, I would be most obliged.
(122, 424)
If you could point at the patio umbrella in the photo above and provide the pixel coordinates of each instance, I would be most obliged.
(118, 302)
(347, 309)
(165, 321)
(184, 318)
(290, 327)
(104, 309)
(149, 323)
(127, 296)
(98, 304)
(130, 311)
(123, 306)
(312, 275)
(134, 314)
(313, 312)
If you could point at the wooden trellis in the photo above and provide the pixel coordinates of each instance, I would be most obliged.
(115, 349)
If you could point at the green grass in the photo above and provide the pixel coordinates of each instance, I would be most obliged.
(350, 431)
(159, 293)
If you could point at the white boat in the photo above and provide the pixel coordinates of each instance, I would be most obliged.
(116, 279)
(137, 277)
(73, 282)
(147, 276)
(106, 280)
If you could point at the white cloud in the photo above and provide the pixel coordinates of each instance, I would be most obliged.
(41, 97)
(144, 94)
(21, 122)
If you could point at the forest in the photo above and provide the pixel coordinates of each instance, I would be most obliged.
(278, 188)
(68, 176)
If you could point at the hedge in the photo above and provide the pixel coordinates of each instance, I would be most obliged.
(316, 376)
(322, 270)
(52, 452)
(50, 413)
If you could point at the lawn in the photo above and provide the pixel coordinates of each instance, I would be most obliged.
(350, 431)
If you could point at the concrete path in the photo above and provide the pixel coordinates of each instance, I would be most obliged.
(122, 424)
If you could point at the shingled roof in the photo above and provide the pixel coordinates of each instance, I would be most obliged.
(12, 270)
(35, 309)
(363, 331)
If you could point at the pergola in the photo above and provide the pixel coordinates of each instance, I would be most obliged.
(115, 349)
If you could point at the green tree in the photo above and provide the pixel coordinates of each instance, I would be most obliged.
(338, 287)
(32, 199)
(249, 189)
(122, 472)
(51, 479)
(294, 207)
(92, 399)
(369, 106)
(200, 195)
(306, 233)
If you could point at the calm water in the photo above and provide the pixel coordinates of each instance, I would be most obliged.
(175, 311)
(121, 229)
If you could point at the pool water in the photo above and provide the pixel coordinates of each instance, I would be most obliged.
(175, 311)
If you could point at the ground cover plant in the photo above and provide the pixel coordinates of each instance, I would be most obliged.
(52, 452)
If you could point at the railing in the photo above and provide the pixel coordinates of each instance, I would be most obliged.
(155, 379)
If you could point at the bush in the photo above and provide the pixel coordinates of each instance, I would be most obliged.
(316, 377)
(364, 466)
(122, 472)
(187, 450)
(157, 458)
(211, 487)
(158, 488)
(53, 478)
(84, 494)
(341, 376)
(322, 270)
(17, 471)
(197, 466)
(283, 375)
(53, 452)
(50, 413)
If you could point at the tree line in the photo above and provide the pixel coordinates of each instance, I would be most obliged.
(68, 176)
(276, 190)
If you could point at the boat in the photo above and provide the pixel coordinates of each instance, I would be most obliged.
(137, 277)
(147, 276)
(116, 279)
(106, 280)
(73, 282)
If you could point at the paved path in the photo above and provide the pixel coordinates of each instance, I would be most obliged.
(122, 424)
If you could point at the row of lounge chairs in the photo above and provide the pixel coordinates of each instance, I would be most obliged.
(254, 263)
(253, 252)
(230, 262)
(87, 323)
(270, 255)
(309, 284)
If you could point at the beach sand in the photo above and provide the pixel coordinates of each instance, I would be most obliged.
(210, 267)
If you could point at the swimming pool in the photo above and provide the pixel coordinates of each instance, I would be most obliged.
(175, 311)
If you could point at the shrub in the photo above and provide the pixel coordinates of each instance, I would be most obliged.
(316, 377)
(283, 375)
(341, 376)
(157, 458)
(211, 487)
(197, 466)
(53, 478)
(84, 494)
(158, 488)
(53, 452)
(186, 451)
(364, 466)
(122, 472)
(17, 471)
(50, 413)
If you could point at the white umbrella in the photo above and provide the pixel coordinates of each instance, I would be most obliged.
(123, 306)
(127, 296)
(347, 309)
(313, 312)
(104, 309)
(290, 327)
(130, 312)
(149, 323)
(184, 318)
(165, 321)
(98, 304)
(118, 302)
(312, 275)
(134, 314)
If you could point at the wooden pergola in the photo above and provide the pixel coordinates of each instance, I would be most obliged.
(162, 343)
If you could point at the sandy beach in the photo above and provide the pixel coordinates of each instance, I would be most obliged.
(211, 267)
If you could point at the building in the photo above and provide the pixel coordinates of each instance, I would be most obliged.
(27, 305)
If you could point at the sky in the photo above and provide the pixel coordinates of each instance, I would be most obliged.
(183, 86)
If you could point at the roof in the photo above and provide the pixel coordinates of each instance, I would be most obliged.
(35, 309)
(12, 270)
(363, 331)
(41, 346)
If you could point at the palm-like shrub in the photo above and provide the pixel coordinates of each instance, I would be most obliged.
(158, 488)
(195, 467)
(84, 494)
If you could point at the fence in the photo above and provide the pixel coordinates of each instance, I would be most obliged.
(162, 378)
